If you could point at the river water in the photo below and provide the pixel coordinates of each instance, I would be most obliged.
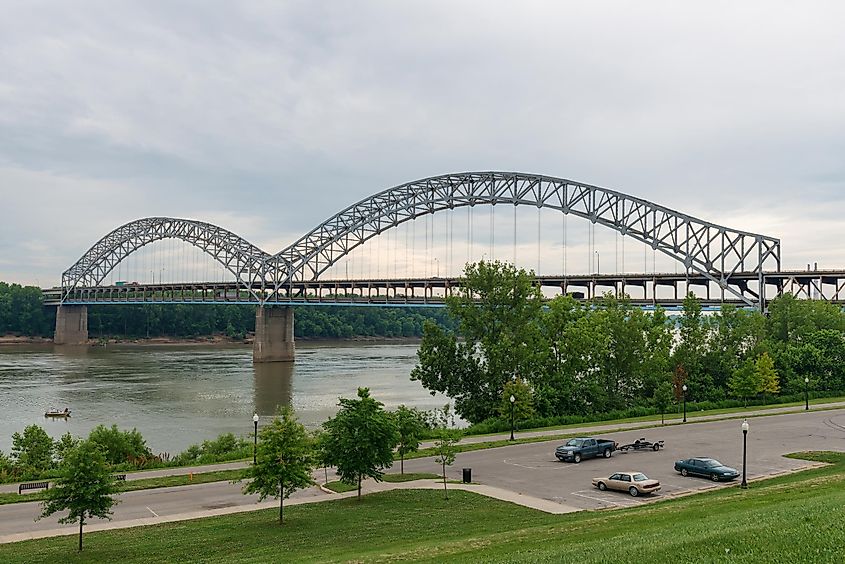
(179, 395)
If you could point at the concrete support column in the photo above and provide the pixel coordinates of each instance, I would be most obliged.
(273, 335)
(71, 325)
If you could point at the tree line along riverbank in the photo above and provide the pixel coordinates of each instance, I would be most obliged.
(23, 317)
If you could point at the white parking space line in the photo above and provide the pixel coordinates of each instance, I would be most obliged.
(153, 512)
(611, 499)
(542, 464)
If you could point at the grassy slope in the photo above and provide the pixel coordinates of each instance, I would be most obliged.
(795, 518)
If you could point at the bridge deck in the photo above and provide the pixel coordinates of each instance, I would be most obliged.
(664, 289)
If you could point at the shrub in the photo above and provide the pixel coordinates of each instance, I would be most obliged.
(119, 446)
(223, 448)
(33, 451)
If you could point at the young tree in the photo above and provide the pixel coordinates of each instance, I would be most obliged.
(320, 453)
(766, 375)
(444, 446)
(360, 439)
(410, 426)
(745, 381)
(33, 450)
(663, 398)
(283, 460)
(85, 487)
(523, 404)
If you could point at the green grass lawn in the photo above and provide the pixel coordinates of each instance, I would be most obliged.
(794, 518)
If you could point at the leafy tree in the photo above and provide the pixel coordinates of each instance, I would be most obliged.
(33, 450)
(663, 398)
(498, 308)
(766, 375)
(448, 366)
(64, 445)
(523, 405)
(410, 426)
(85, 487)
(360, 438)
(321, 456)
(691, 348)
(283, 460)
(745, 381)
(7, 467)
(444, 446)
(119, 446)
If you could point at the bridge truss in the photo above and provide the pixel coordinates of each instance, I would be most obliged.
(727, 257)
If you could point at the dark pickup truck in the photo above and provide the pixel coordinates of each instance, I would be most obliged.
(584, 447)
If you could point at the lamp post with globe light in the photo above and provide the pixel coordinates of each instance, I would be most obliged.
(806, 394)
(684, 388)
(255, 438)
(513, 400)
(744, 483)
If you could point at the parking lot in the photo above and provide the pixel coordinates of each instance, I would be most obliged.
(533, 470)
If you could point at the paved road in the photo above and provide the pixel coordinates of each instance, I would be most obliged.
(532, 470)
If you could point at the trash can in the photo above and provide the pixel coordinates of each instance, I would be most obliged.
(467, 475)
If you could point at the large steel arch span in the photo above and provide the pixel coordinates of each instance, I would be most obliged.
(713, 250)
(243, 259)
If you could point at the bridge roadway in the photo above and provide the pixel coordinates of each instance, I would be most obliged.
(645, 290)
(529, 471)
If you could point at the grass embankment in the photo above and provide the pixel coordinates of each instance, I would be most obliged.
(793, 518)
(141, 484)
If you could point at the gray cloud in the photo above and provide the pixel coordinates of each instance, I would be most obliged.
(267, 118)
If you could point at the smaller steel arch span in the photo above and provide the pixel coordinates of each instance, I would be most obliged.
(712, 250)
(237, 255)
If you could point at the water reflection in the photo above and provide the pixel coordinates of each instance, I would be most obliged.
(273, 386)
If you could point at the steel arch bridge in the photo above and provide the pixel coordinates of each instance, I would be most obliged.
(714, 252)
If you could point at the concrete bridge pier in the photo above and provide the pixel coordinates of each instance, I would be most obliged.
(273, 335)
(71, 325)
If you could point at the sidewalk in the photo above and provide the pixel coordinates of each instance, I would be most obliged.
(586, 429)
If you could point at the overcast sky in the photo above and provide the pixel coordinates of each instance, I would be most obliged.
(268, 117)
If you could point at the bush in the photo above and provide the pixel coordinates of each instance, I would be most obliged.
(120, 446)
(223, 448)
(32, 451)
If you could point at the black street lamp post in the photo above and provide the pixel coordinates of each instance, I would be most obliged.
(255, 438)
(684, 388)
(744, 483)
(513, 400)
(806, 394)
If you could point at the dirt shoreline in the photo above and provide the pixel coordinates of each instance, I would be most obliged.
(12, 340)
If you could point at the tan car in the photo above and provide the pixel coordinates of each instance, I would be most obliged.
(635, 483)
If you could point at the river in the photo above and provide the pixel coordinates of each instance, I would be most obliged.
(178, 395)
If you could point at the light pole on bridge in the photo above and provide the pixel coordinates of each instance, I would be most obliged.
(598, 262)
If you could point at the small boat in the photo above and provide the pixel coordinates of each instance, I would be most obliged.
(57, 413)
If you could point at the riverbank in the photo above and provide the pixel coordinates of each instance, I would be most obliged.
(11, 340)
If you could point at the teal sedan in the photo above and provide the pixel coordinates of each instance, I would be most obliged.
(706, 468)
